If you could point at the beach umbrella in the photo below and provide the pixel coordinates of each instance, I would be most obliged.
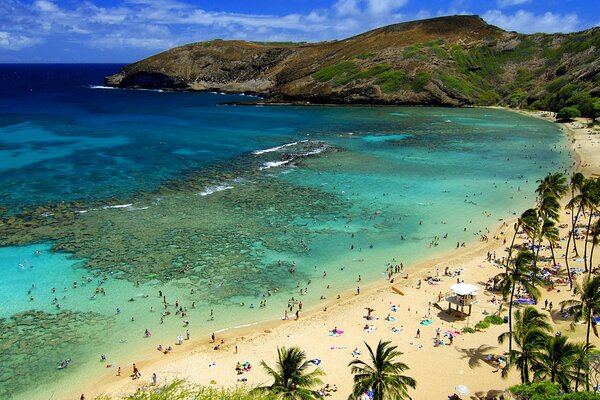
(462, 390)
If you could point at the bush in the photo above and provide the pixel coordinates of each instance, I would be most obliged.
(340, 73)
(494, 319)
(420, 81)
(468, 330)
(568, 113)
(537, 391)
(481, 325)
(390, 81)
(548, 391)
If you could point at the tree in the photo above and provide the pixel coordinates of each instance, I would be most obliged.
(530, 336)
(584, 103)
(556, 362)
(523, 219)
(568, 113)
(591, 195)
(583, 353)
(588, 304)
(520, 271)
(554, 184)
(595, 237)
(577, 180)
(551, 233)
(384, 375)
(290, 378)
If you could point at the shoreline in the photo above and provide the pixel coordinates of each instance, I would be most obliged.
(268, 334)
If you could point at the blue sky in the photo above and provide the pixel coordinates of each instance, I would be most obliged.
(127, 30)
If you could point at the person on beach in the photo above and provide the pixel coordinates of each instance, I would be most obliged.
(418, 336)
(154, 379)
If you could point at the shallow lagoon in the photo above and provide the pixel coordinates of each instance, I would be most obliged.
(123, 190)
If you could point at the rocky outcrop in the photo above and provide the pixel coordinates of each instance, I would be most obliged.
(453, 61)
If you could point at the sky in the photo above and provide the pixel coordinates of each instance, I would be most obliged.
(121, 31)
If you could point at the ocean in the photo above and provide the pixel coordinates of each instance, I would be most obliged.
(112, 198)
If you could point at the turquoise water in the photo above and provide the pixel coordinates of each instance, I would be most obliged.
(129, 193)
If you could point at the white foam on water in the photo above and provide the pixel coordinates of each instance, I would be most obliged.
(276, 148)
(213, 189)
(118, 206)
(274, 164)
(101, 87)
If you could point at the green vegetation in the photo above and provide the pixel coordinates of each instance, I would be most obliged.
(340, 73)
(383, 376)
(364, 56)
(373, 71)
(390, 81)
(420, 81)
(545, 390)
(290, 377)
(182, 390)
(568, 113)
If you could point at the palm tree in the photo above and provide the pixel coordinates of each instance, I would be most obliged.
(549, 210)
(553, 184)
(291, 381)
(521, 272)
(530, 337)
(577, 181)
(588, 304)
(384, 375)
(550, 232)
(556, 362)
(582, 362)
(521, 221)
(549, 207)
(589, 199)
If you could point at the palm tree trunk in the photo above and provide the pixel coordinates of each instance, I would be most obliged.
(552, 252)
(567, 261)
(587, 234)
(592, 256)
(589, 324)
(575, 218)
(512, 244)
(510, 306)
(537, 253)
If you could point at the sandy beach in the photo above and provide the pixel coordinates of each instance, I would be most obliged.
(437, 369)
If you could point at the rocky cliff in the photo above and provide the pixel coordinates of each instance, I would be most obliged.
(457, 60)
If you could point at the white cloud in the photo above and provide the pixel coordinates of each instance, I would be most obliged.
(346, 7)
(46, 6)
(528, 22)
(510, 3)
(16, 42)
(384, 6)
